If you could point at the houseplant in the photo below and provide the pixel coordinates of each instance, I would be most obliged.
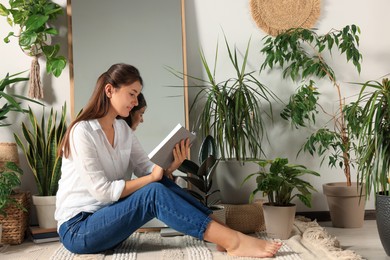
(303, 55)
(231, 111)
(281, 182)
(12, 101)
(13, 205)
(200, 176)
(371, 117)
(34, 31)
(42, 139)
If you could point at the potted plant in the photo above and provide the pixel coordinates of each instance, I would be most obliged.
(231, 111)
(281, 182)
(42, 140)
(200, 177)
(13, 205)
(303, 54)
(371, 117)
(34, 31)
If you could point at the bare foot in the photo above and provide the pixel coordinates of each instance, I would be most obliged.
(249, 246)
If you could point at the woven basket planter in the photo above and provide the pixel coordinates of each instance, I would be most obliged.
(15, 224)
(246, 218)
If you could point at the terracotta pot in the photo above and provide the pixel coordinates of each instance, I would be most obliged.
(346, 204)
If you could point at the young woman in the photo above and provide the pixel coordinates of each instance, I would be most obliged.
(98, 208)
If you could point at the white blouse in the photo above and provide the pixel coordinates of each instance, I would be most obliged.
(94, 175)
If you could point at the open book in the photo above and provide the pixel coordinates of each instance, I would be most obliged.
(162, 155)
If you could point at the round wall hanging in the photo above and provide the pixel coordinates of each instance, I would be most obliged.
(277, 16)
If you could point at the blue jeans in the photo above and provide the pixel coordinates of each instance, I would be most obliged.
(109, 226)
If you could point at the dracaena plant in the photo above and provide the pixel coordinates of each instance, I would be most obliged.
(304, 57)
(32, 23)
(281, 182)
(370, 116)
(42, 140)
(231, 110)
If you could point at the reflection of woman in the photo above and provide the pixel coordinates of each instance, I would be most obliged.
(97, 209)
(136, 115)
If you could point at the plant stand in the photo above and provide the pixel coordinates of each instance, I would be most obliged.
(346, 205)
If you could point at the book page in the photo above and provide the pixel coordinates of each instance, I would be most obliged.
(162, 155)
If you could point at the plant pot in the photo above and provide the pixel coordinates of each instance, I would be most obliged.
(229, 176)
(279, 220)
(45, 206)
(219, 211)
(346, 204)
(382, 206)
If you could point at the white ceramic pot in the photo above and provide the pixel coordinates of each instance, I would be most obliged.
(45, 206)
(279, 221)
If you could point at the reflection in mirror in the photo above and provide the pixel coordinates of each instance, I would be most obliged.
(144, 33)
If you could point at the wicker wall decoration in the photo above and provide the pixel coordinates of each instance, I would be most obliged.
(277, 16)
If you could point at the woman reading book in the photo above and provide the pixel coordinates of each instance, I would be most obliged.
(97, 208)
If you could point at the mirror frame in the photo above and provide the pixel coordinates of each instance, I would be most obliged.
(184, 61)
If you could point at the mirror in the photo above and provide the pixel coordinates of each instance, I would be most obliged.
(145, 33)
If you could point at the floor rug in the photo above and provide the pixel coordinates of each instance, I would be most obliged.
(308, 241)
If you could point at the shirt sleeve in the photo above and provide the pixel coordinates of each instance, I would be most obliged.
(139, 159)
(89, 166)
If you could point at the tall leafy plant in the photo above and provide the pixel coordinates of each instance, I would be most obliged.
(231, 110)
(303, 55)
(42, 140)
(370, 116)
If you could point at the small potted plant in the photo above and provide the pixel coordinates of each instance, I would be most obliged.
(281, 182)
(303, 55)
(34, 31)
(201, 176)
(42, 139)
(12, 205)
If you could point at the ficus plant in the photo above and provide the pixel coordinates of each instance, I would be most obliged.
(304, 56)
(31, 20)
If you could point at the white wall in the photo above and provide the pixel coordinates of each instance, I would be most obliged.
(205, 21)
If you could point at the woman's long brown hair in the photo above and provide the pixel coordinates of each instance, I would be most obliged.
(117, 75)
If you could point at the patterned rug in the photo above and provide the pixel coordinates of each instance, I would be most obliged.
(308, 241)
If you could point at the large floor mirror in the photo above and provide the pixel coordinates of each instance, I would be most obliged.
(148, 34)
